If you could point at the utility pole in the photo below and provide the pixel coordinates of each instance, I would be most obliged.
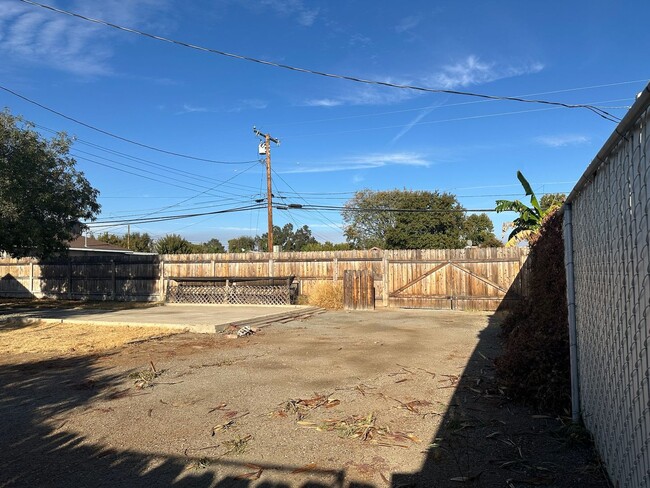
(269, 188)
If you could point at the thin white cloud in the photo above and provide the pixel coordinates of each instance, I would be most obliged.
(359, 39)
(408, 23)
(322, 102)
(35, 36)
(369, 161)
(562, 140)
(189, 109)
(473, 71)
(305, 16)
(250, 104)
(467, 72)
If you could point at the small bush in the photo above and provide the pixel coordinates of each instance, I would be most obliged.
(534, 365)
(327, 294)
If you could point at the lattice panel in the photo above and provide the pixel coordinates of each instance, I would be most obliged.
(612, 279)
(231, 295)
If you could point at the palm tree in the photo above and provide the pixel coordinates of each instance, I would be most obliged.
(530, 217)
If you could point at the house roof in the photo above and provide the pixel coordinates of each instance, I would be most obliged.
(82, 243)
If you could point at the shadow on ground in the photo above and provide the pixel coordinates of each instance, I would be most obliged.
(36, 449)
(486, 440)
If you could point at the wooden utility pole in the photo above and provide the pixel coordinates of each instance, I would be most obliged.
(269, 188)
(269, 192)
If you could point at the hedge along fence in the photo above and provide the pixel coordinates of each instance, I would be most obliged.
(535, 361)
(441, 278)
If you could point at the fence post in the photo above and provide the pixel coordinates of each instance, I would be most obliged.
(31, 277)
(384, 275)
(113, 281)
(69, 279)
(161, 278)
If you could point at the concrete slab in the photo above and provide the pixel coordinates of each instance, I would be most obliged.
(194, 318)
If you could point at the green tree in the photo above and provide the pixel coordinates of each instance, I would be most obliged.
(530, 217)
(43, 197)
(174, 244)
(551, 200)
(327, 246)
(441, 227)
(241, 244)
(480, 230)
(139, 242)
(213, 246)
(287, 238)
(431, 220)
(366, 224)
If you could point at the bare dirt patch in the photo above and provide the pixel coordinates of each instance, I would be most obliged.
(340, 400)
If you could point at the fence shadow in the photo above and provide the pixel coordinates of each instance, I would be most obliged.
(121, 278)
(10, 285)
(37, 450)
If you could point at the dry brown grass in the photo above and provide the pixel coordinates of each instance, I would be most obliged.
(327, 294)
(54, 339)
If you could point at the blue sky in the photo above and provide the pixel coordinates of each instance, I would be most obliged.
(336, 136)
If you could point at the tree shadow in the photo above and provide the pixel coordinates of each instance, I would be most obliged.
(36, 449)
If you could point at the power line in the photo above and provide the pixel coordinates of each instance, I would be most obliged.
(204, 192)
(121, 222)
(456, 119)
(130, 141)
(384, 210)
(337, 227)
(418, 109)
(600, 112)
(146, 162)
(75, 153)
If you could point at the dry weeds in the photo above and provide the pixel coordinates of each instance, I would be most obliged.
(328, 295)
(76, 339)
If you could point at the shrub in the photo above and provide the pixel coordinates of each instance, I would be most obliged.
(534, 365)
(327, 294)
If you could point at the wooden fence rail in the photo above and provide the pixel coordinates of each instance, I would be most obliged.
(481, 279)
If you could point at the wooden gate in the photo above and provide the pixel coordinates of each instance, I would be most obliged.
(457, 282)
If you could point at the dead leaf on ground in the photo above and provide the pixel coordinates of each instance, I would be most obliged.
(253, 475)
(465, 479)
(304, 469)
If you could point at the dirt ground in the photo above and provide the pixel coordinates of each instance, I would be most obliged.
(388, 398)
(51, 339)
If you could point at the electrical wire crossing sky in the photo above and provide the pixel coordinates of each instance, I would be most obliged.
(159, 99)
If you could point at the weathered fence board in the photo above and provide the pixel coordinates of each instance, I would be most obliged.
(482, 279)
(358, 290)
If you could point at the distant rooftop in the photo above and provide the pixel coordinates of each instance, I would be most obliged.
(82, 243)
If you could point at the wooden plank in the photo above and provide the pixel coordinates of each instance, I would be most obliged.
(419, 278)
(481, 278)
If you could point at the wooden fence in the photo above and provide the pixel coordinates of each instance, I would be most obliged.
(481, 279)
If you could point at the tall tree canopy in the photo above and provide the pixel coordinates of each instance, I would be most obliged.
(241, 244)
(287, 238)
(43, 198)
(174, 244)
(480, 230)
(210, 247)
(139, 242)
(431, 220)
